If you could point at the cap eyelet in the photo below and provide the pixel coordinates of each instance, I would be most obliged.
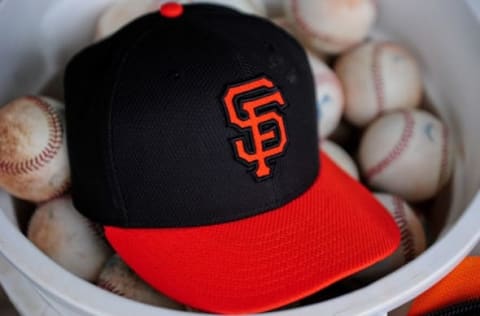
(171, 10)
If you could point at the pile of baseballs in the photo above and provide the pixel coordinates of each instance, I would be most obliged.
(369, 98)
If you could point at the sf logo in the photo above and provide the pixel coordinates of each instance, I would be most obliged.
(253, 108)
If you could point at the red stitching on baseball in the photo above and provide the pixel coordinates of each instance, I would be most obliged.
(397, 150)
(55, 137)
(407, 240)
(445, 156)
(378, 79)
(104, 284)
(316, 34)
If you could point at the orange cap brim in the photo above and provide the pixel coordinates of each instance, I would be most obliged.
(331, 231)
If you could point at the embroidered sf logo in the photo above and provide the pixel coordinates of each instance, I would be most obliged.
(252, 107)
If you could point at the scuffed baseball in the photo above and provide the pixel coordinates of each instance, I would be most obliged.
(331, 26)
(33, 154)
(407, 153)
(329, 97)
(68, 238)
(118, 278)
(340, 157)
(378, 78)
(413, 239)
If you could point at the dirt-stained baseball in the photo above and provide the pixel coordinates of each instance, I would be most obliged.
(407, 153)
(331, 26)
(340, 157)
(377, 78)
(68, 238)
(413, 239)
(33, 154)
(329, 97)
(118, 278)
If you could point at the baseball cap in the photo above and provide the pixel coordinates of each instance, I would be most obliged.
(193, 140)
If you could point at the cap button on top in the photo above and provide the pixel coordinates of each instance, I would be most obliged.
(171, 10)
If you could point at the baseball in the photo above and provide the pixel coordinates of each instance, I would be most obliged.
(378, 78)
(118, 278)
(340, 157)
(68, 238)
(331, 26)
(413, 239)
(33, 153)
(329, 97)
(407, 153)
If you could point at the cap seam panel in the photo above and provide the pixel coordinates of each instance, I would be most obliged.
(241, 59)
(116, 183)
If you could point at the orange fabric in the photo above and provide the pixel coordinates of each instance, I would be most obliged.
(462, 284)
(333, 230)
(254, 121)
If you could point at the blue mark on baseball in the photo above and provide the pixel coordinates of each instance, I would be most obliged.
(321, 102)
(429, 131)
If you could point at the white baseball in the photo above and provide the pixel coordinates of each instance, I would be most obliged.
(331, 26)
(68, 238)
(118, 278)
(33, 153)
(329, 97)
(407, 153)
(378, 78)
(340, 157)
(413, 240)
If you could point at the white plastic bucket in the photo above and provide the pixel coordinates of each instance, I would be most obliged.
(38, 38)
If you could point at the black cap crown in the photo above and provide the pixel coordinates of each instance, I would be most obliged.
(200, 119)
